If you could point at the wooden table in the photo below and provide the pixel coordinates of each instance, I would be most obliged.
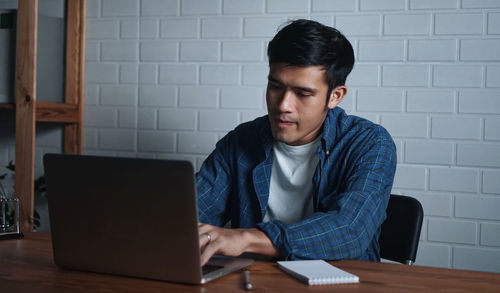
(26, 265)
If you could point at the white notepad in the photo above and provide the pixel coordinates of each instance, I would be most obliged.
(317, 272)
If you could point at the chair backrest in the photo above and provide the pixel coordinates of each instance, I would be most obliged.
(400, 232)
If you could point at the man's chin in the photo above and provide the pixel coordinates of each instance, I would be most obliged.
(281, 137)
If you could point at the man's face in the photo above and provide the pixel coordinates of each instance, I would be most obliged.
(297, 102)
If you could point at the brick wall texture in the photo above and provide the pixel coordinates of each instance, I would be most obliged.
(168, 78)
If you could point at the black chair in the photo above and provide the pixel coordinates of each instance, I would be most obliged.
(401, 230)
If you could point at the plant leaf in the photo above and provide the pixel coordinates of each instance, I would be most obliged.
(11, 166)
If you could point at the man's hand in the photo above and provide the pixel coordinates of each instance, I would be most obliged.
(233, 242)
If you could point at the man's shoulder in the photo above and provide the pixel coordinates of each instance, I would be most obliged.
(355, 126)
(249, 133)
(253, 126)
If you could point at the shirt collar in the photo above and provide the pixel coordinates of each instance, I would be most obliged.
(266, 135)
(330, 127)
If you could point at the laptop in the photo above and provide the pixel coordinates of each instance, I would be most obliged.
(130, 217)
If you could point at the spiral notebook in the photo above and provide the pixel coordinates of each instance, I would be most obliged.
(317, 272)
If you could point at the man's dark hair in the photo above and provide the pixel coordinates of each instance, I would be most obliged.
(308, 43)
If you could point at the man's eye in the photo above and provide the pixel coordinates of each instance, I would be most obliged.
(274, 86)
(303, 94)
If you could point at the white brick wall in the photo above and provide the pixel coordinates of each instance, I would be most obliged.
(453, 179)
(243, 6)
(358, 25)
(422, 152)
(199, 51)
(333, 5)
(379, 100)
(472, 258)
(129, 29)
(199, 97)
(432, 50)
(180, 28)
(430, 101)
(382, 4)
(407, 24)
(158, 51)
(492, 74)
(454, 231)
(119, 51)
(489, 234)
(221, 28)
(167, 78)
(102, 29)
(128, 73)
(458, 76)
(410, 126)
(159, 7)
(458, 23)
(491, 184)
(405, 75)
(381, 50)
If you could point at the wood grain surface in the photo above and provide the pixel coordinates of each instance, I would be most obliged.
(26, 265)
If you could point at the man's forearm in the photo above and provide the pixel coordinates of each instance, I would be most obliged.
(258, 242)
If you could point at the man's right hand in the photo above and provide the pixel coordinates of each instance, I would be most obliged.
(233, 242)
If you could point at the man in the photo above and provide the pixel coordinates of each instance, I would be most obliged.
(306, 181)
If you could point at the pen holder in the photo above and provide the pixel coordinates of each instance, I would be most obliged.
(9, 218)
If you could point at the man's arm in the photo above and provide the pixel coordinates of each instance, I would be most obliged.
(213, 187)
(352, 217)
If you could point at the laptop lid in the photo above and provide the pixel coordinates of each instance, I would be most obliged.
(126, 216)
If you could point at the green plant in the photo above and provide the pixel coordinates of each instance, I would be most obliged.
(9, 213)
(39, 189)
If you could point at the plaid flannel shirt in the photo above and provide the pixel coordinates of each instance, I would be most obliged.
(351, 188)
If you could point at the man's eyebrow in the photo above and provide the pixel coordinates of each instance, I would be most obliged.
(305, 89)
(300, 88)
(270, 78)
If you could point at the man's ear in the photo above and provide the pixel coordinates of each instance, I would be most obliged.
(336, 96)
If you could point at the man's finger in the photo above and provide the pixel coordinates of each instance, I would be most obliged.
(205, 228)
(205, 239)
(208, 252)
(205, 234)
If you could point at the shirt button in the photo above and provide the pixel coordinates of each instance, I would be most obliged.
(327, 153)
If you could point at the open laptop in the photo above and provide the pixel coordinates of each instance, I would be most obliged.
(125, 216)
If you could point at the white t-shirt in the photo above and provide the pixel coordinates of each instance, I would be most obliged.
(290, 191)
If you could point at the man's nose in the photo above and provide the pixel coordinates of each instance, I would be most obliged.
(286, 102)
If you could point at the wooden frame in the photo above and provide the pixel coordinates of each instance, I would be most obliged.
(27, 33)
(29, 111)
(75, 69)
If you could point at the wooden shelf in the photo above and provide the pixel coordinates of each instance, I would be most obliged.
(28, 110)
(7, 106)
(57, 112)
(51, 112)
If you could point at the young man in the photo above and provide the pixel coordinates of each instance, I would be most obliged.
(306, 181)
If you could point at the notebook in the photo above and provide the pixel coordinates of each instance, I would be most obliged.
(128, 216)
(317, 272)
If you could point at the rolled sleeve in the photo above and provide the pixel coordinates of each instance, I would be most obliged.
(213, 187)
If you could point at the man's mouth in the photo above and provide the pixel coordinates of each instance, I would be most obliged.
(285, 123)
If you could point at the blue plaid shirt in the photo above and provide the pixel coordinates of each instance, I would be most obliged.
(351, 188)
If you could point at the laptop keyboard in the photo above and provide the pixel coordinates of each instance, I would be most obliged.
(209, 268)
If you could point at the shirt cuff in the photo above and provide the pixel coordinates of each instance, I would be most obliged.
(276, 232)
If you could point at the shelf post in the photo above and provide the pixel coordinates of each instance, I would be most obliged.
(26, 110)
(75, 63)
